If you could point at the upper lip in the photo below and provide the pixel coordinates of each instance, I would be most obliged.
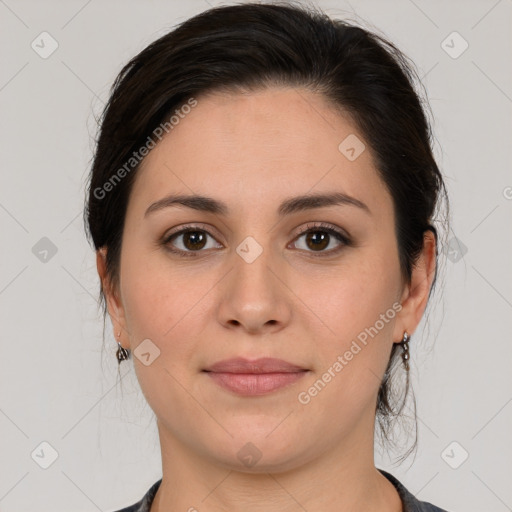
(261, 365)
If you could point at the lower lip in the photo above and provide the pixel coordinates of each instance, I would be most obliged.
(253, 384)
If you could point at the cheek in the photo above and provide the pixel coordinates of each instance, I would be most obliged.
(353, 355)
(155, 293)
(149, 308)
(352, 297)
(170, 305)
(354, 317)
(162, 306)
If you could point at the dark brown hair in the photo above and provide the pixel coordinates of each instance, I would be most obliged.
(251, 46)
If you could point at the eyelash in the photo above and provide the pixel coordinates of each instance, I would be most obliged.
(310, 228)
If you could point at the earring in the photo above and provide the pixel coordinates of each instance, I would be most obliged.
(405, 350)
(122, 353)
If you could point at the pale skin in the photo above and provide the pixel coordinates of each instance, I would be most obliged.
(253, 151)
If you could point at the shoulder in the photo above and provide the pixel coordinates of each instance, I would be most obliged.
(410, 502)
(145, 502)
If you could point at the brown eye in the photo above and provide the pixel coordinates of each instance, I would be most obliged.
(194, 240)
(191, 241)
(318, 238)
(188, 241)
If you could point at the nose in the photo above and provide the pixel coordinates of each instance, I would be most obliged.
(254, 297)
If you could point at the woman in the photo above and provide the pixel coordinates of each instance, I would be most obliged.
(261, 202)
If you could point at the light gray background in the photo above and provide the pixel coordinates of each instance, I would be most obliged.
(56, 384)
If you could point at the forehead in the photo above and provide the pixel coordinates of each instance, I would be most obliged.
(261, 145)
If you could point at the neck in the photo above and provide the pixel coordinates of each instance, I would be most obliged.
(341, 479)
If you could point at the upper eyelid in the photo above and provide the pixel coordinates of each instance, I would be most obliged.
(321, 225)
(188, 227)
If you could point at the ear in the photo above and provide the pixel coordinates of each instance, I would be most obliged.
(415, 294)
(114, 304)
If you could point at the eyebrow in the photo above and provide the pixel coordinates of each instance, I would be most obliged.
(287, 207)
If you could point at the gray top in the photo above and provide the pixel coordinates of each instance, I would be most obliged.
(410, 503)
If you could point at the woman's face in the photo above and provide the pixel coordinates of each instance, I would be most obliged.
(248, 283)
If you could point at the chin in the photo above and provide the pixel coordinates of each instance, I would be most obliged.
(260, 454)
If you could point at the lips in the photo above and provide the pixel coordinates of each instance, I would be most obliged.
(262, 365)
(257, 377)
